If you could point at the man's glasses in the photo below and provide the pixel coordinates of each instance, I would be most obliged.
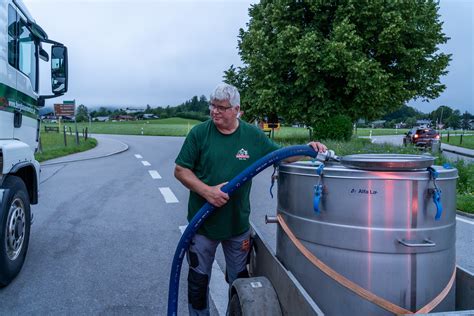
(219, 108)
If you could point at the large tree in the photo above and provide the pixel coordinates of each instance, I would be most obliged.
(308, 60)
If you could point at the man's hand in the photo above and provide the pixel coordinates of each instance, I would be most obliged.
(215, 196)
(318, 147)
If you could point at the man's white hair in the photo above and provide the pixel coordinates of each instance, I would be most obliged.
(226, 92)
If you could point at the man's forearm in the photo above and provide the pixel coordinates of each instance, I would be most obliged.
(212, 194)
(189, 180)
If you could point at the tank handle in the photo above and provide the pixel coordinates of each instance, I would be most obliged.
(426, 243)
(318, 190)
(436, 193)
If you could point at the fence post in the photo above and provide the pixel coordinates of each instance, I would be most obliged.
(448, 136)
(76, 132)
(86, 134)
(460, 140)
(65, 136)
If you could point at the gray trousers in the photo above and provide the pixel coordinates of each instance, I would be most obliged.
(200, 257)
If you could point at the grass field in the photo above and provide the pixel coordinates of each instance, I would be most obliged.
(467, 141)
(52, 145)
(160, 127)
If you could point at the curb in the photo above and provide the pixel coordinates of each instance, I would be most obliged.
(89, 158)
(458, 153)
(461, 213)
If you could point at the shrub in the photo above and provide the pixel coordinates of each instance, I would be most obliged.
(338, 127)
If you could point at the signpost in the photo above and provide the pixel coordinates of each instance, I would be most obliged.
(67, 109)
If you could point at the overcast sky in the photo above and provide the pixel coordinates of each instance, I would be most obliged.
(137, 52)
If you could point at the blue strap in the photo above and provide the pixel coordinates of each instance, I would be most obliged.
(318, 190)
(433, 172)
(437, 202)
(436, 194)
(319, 171)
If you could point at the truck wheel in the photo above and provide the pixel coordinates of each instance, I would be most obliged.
(15, 220)
(253, 297)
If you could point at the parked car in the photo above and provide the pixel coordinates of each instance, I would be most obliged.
(422, 137)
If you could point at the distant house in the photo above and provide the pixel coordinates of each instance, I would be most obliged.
(471, 124)
(122, 118)
(101, 119)
(150, 116)
(377, 124)
(423, 123)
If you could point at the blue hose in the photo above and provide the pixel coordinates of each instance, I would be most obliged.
(207, 209)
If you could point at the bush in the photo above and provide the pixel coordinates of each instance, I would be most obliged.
(338, 127)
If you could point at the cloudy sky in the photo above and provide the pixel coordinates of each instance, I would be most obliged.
(138, 52)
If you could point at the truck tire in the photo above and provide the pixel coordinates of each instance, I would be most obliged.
(253, 297)
(15, 221)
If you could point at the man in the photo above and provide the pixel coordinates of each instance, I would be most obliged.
(213, 153)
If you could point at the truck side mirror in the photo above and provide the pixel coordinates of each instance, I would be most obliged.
(59, 69)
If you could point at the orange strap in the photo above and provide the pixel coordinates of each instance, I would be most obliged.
(371, 297)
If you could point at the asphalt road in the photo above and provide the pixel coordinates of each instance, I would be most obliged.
(106, 229)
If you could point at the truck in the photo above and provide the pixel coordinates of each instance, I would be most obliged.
(21, 49)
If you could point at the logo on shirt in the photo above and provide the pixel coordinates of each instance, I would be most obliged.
(242, 155)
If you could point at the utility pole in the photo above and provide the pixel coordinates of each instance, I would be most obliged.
(441, 117)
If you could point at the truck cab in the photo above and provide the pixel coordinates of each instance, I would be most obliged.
(21, 51)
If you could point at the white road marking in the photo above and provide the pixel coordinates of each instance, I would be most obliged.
(464, 220)
(138, 156)
(154, 174)
(168, 195)
(146, 163)
(218, 287)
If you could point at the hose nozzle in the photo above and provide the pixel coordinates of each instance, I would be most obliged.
(327, 156)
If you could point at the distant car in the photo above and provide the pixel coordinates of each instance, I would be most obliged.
(422, 137)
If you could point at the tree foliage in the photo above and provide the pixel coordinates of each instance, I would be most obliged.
(337, 127)
(402, 114)
(310, 60)
(82, 113)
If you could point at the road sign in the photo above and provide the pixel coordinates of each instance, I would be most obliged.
(64, 109)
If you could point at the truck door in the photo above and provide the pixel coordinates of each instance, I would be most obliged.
(26, 114)
(8, 79)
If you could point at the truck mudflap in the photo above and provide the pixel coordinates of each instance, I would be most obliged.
(294, 300)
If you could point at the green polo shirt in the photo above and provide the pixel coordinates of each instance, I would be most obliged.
(216, 158)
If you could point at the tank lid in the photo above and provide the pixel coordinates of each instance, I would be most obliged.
(388, 162)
